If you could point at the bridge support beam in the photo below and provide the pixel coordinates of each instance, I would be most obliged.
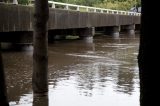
(87, 34)
(113, 31)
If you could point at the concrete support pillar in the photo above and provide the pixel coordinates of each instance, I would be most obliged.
(59, 34)
(113, 31)
(87, 34)
(129, 29)
(23, 37)
(16, 46)
(59, 37)
(52, 38)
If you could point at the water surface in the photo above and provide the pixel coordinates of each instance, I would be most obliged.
(102, 73)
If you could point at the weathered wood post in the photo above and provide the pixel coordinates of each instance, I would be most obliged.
(3, 93)
(40, 52)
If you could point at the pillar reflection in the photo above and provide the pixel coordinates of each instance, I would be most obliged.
(40, 100)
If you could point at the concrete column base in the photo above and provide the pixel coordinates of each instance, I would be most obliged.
(87, 34)
(131, 32)
(87, 39)
(115, 34)
(59, 37)
(23, 37)
(112, 31)
(16, 46)
(129, 29)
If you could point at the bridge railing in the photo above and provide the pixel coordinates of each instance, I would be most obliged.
(67, 6)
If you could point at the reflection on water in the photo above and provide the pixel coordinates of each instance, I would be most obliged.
(40, 101)
(101, 73)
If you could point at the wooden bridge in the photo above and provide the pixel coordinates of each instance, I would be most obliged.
(16, 21)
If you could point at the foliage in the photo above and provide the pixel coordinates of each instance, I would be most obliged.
(81, 2)
(25, 2)
(119, 4)
(111, 4)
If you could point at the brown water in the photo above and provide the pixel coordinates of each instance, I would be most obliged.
(102, 73)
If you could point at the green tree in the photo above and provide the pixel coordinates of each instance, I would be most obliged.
(111, 4)
(81, 2)
(25, 2)
(119, 4)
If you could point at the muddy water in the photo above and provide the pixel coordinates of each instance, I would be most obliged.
(102, 73)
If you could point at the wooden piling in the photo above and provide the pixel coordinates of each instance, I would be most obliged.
(40, 53)
(3, 93)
